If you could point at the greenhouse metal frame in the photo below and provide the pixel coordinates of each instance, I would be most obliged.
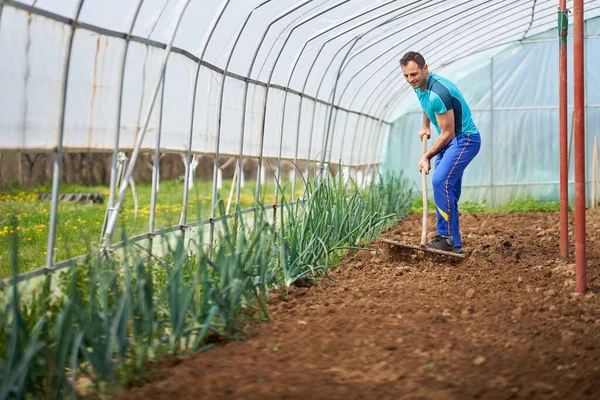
(314, 81)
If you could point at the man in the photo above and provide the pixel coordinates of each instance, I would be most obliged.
(457, 144)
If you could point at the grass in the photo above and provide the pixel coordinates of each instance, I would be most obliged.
(80, 224)
(106, 320)
(514, 206)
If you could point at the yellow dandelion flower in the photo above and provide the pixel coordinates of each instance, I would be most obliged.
(75, 228)
(30, 239)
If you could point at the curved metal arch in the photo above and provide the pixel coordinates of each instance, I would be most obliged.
(330, 102)
(386, 103)
(386, 62)
(318, 89)
(332, 99)
(244, 102)
(298, 55)
(474, 48)
(59, 143)
(377, 40)
(272, 71)
(194, 89)
(112, 221)
(264, 107)
(293, 69)
(538, 27)
(284, 31)
(389, 89)
(383, 82)
(471, 28)
(117, 138)
(374, 73)
(219, 120)
(248, 74)
(480, 22)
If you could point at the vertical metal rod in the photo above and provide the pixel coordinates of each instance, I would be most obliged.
(363, 134)
(249, 73)
(219, 125)
(353, 40)
(330, 106)
(156, 166)
(194, 91)
(579, 104)
(117, 138)
(356, 134)
(322, 78)
(58, 153)
(375, 110)
(563, 26)
(112, 221)
(289, 35)
(344, 64)
(595, 173)
(491, 132)
(295, 63)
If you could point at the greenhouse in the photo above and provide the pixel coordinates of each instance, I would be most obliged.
(175, 172)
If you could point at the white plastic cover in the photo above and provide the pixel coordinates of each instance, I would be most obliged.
(253, 79)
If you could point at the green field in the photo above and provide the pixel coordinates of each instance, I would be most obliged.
(80, 224)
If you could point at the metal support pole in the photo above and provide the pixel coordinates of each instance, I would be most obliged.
(219, 125)
(194, 90)
(156, 167)
(563, 26)
(59, 145)
(491, 132)
(288, 36)
(266, 97)
(112, 221)
(115, 154)
(579, 103)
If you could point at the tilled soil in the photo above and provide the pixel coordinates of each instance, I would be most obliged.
(503, 324)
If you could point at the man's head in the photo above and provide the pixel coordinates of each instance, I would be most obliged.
(414, 69)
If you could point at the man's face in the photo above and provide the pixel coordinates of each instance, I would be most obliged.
(414, 75)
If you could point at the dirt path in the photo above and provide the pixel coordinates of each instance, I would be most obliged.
(503, 324)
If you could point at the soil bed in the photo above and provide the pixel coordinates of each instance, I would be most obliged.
(503, 324)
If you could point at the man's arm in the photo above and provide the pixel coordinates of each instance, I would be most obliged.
(426, 128)
(446, 124)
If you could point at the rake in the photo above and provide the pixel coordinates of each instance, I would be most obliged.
(422, 247)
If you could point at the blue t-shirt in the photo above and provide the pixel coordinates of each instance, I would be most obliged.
(442, 95)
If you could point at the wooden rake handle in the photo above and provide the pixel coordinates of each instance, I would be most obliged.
(424, 190)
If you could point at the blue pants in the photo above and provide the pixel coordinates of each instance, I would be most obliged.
(450, 164)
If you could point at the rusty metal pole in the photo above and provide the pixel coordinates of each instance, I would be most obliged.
(563, 29)
(579, 122)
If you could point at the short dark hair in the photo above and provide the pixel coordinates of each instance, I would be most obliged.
(413, 56)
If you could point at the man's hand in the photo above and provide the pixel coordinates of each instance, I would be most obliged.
(424, 164)
(425, 131)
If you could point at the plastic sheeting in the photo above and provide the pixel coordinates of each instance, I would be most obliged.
(513, 95)
(258, 71)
